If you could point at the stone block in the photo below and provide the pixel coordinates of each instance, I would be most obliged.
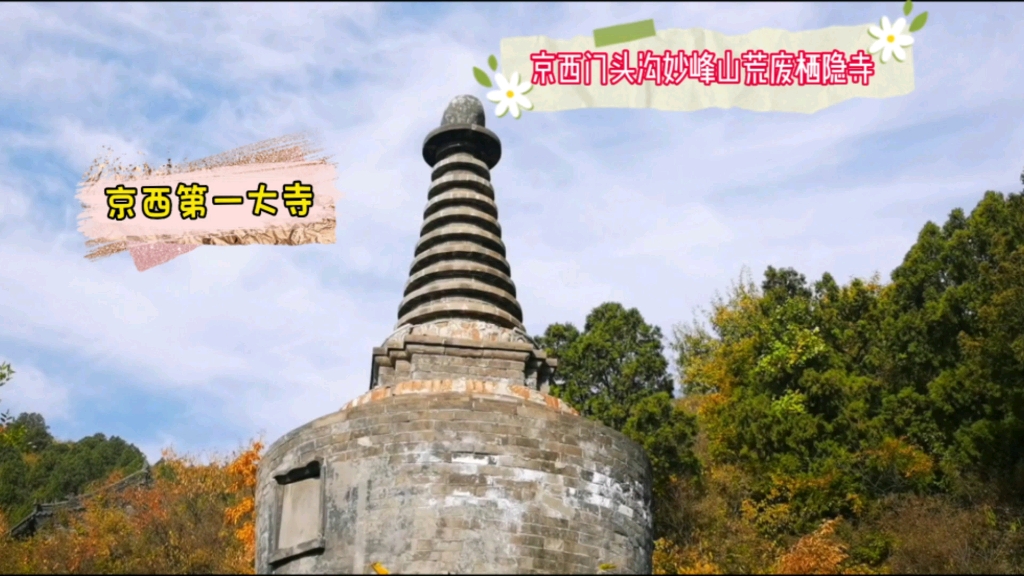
(300, 519)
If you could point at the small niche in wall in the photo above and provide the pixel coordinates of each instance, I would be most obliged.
(300, 513)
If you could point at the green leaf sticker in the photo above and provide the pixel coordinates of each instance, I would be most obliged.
(481, 77)
(493, 63)
(908, 7)
(918, 22)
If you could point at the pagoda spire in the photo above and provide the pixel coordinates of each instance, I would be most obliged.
(459, 270)
(459, 317)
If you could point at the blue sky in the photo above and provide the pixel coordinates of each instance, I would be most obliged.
(656, 210)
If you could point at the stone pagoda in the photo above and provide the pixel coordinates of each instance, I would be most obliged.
(456, 460)
(459, 317)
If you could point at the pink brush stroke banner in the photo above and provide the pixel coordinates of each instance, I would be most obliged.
(148, 256)
(267, 193)
(100, 220)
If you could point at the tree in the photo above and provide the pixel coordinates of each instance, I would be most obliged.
(615, 372)
(666, 433)
(955, 340)
(614, 363)
(14, 490)
(242, 516)
(6, 372)
(784, 283)
(36, 432)
(13, 469)
(793, 400)
(35, 468)
(830, 401)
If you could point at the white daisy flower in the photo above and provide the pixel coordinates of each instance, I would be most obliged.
(890, 40)
(510, 95)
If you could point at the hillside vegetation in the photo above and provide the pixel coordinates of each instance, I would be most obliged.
(829, 427)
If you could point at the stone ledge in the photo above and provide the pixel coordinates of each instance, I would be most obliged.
(474, 388)
(408, 357)
(456, 343)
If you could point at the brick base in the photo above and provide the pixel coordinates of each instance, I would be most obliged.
(460, 476)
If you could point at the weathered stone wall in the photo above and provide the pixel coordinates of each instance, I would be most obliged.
(455, 477)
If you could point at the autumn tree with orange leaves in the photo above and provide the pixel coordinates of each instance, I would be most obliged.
(243, 514)
(193, 517)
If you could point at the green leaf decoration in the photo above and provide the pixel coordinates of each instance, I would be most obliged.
(908, 7)
(918, 22)
(481, 77)
(493, 63)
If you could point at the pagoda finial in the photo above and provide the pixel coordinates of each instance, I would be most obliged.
(464, 110)
(462, 130)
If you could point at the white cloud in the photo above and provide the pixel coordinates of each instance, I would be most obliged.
(14, 204)
(31, 390)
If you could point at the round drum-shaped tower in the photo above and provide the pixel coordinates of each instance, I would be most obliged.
(454, 477)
